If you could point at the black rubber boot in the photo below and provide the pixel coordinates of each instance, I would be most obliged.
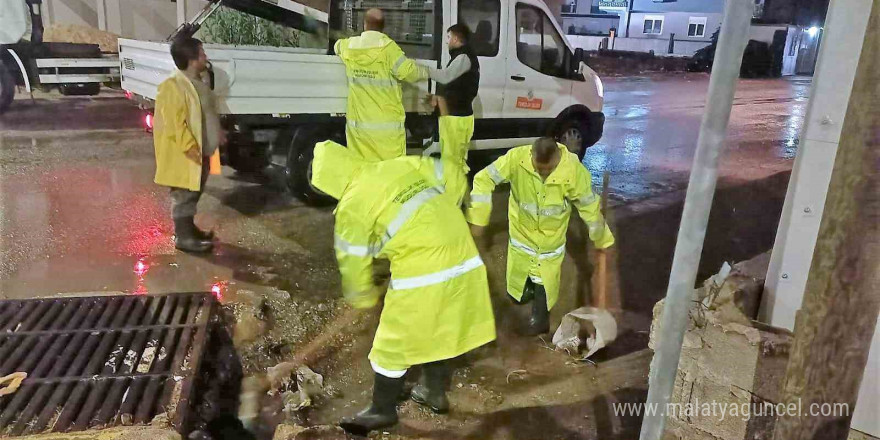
(185, 238)
(202, 235)
(431, 389)
(382, 413)
(539, 322)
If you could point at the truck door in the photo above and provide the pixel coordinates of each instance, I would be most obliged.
(483, 18)
(537, 89)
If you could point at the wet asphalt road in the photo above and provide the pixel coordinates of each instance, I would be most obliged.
(80, 212)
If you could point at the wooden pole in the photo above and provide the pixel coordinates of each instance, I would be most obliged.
(835, 326)
(602, 260)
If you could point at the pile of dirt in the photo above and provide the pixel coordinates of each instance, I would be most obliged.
(624, 63)
(73, 33)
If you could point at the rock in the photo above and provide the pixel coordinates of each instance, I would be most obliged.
(309, 381)
(287, 432)
(280, 375)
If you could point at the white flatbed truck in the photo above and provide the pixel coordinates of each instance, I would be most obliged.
(74, 68)
(278, 102)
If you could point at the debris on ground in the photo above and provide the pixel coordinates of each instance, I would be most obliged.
(592, 327)
(12, 382)
(296, 432)
(74, 33)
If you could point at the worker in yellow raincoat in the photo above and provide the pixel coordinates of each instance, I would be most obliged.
(186, 137)
(459, 84)
(374, 65)
(437, 306)
(545, 181)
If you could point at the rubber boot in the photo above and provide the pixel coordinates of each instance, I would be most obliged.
(539, 322)
(202, 235)
(185, 238)
(382, 413)
(431, 389)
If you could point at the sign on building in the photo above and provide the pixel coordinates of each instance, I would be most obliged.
(613, 3)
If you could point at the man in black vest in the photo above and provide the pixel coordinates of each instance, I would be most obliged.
(458, 85)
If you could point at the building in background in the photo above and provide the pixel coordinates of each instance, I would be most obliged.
(594, 17)
(682, 20)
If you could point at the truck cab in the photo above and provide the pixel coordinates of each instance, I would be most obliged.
(278, 102)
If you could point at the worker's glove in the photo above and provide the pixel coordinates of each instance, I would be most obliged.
(364, 300)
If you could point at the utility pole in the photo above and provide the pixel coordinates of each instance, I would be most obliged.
(834, 328)
(695, 217)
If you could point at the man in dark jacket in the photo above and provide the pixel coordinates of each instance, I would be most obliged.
(458, 85)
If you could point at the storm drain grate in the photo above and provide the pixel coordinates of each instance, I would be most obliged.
(94, 362)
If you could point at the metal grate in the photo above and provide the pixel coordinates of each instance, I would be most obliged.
(94, 362)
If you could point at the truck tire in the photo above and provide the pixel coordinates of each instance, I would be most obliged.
(573, 134)
(7, 87)
(298, 173)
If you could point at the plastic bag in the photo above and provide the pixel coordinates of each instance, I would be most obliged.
(587, 325)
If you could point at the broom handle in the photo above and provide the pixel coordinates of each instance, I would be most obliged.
(602, 281)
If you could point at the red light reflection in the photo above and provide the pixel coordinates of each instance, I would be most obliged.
(141, 267)
(218, 288)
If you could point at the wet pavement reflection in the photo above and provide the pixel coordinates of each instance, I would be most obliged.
(80, 212)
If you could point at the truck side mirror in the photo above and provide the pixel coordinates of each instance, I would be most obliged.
(579, 57)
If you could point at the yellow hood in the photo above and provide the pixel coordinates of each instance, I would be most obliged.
(333, 168)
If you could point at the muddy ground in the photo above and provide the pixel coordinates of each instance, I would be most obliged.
(80, 214)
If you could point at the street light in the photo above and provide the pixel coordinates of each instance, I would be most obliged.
(813, 31)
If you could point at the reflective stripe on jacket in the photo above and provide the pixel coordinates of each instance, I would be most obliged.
(437, 306)
(374, 65)
(538, 214)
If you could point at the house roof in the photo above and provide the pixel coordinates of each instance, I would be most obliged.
(707, 6)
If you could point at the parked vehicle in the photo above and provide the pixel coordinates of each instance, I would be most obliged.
(76, 69)
(278, 102)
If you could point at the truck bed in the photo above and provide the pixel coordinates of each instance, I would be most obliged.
(257, 80)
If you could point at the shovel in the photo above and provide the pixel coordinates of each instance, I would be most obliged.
(601, 298)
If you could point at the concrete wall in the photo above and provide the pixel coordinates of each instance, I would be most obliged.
(660, 47)
(674, 22)
(140, 19)
(592, 25)
(704, 6)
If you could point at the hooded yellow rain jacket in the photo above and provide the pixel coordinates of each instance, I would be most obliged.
(538, 214)
(375, 117)
(437, 305)
(177, 127)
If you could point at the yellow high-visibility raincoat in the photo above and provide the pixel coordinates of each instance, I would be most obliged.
(538, 215)
(437, 305)
(375, 117)
(177, 127)
(455, 140)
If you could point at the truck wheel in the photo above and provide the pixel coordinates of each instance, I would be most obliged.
(298, 174)
(573, 134)
(7, 88)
